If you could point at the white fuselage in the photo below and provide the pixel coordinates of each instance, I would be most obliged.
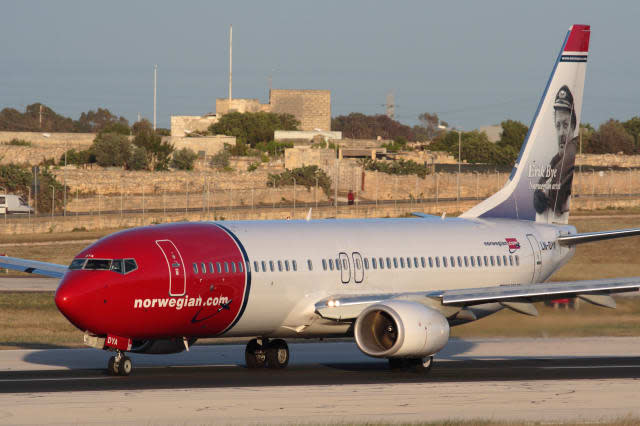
(281, 302)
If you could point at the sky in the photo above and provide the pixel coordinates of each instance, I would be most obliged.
(474, 63)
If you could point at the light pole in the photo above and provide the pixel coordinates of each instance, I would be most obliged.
(443, 127)
(4, 191)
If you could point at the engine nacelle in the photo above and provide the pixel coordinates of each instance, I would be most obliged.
(400, 328)
(163, 346)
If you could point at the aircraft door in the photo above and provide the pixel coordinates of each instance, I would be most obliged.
(537, 257)
(358, 267)
(177, 275)
(345, 267)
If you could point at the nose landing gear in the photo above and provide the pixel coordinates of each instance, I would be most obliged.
(119, 365)
(267, 353)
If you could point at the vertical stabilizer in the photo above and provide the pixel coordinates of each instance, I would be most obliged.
(539, 187)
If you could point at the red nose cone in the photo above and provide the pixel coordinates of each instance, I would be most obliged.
(68, 300)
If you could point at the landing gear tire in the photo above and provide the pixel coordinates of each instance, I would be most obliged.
(277, 354)
(119, 365)
(254, 354)
(125, 366)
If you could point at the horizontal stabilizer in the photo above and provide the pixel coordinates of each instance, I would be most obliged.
(587, 237)
(33, 266)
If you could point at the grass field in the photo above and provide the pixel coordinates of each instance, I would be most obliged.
(32, 320)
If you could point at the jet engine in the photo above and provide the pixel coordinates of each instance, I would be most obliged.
(400, 329)
(162, 346)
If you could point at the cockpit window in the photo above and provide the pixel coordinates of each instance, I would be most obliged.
(116, 266)
(77, 264)
(121, 266)
(130, 265)
(98, 264)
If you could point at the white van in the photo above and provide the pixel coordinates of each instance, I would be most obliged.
(11, 203)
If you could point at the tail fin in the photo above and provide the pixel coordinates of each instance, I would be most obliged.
(539, 187)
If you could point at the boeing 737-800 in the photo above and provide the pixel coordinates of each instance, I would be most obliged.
(395, 285)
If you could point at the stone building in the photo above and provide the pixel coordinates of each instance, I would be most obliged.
(311, 107)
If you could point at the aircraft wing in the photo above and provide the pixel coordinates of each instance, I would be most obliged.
(33, 266)
(515, 297)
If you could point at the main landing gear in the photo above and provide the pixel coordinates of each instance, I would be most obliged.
(119, 365)
(267, 353)
(420, 365)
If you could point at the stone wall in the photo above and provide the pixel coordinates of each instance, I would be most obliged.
(208, 145)
(225, 106)
(181, 125)
(311, 107)
(608, 160)
(300, 156)
(43, 146)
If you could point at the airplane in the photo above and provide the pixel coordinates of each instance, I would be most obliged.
(395, 285)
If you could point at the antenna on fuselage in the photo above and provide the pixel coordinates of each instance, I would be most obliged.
(309, 214)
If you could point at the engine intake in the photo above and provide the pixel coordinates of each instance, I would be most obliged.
(400, 328)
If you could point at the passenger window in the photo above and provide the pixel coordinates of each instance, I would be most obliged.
(517, 260)
(466, 262)
(331, 264)
(116, 266)
(459, 262)
(294, 264)
(264, 266)
(415, 262)
(408, 262)
(226, 267)
(203, 268)
(345, 264)
(473, 262)
(240, 267)
(211, 271)
(430, 262)
(130, 265)
(374, 263)
(324, 264)
(233, 267)
(498, 260)
(492, 264)
(444, 262)
(366, 263)
(286, 265)
(401, 263)
(272, 266)
(453, 262)
(424, 264)
(437, 262)
(310, 265)
(479, 259)
(219, 267)
(511, 260)
(381, 262)
(195, 268)
(338, 264)
(504, 260)
(388, 263)
(280, 265)
(486, 261)
(395, 262)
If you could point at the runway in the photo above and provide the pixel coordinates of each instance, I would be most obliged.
(554, 379)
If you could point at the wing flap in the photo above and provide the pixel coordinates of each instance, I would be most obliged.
(33, 266)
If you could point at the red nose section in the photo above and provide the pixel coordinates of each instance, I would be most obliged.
(69, 300)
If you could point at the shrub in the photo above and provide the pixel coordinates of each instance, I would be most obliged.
(253, 166)
(400, 167)
(111, 149)
(184, 159)
(304, 176)
(220, 160)
(139, 159)
(18, 142)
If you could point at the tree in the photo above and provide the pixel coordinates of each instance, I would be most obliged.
(111, 149)
(361, 126)
(252, 127)
(632, 126)
(138, 159)
(36, 118)
(158, 151)
(429, 125)
(184, 159)
(78, 157)
(476, 148)
(18, 179)
(513, 134)
(611, 137)
(96, 121)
